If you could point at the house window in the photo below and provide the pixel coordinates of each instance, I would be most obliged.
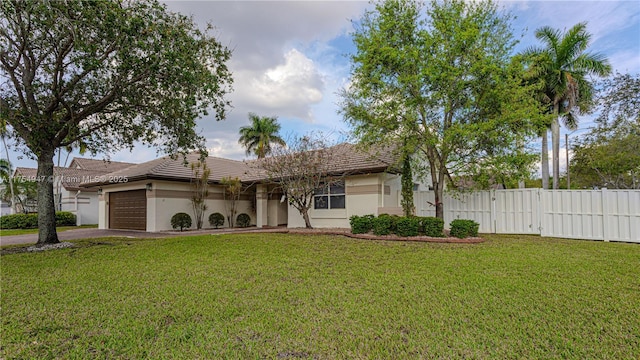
(330, 196)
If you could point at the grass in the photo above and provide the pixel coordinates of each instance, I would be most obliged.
(280, 296)
(9, 232)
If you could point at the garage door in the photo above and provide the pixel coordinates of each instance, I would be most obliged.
(128, 210)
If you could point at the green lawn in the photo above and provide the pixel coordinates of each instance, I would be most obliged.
(9, 232)
(280, 296)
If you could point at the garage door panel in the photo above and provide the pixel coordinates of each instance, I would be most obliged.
(128, 210)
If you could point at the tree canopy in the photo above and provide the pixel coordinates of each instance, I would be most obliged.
(609, 155)
(103, 75)
(564, 64)
(441, 80)
(260, 135)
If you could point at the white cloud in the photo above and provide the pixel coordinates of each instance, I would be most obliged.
(288, 89)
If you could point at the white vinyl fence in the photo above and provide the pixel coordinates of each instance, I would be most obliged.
(609, 215)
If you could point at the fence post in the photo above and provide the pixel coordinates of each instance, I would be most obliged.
(604, 215)
(540, 212)
(492, 216)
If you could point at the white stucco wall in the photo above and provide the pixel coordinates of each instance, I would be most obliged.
(83, 204)
(168, 198)
(364, 195)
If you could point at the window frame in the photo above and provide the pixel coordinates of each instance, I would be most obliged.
(326, 195)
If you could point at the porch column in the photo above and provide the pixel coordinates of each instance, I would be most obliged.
(262, 199)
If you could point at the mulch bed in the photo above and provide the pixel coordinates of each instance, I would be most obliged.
(347, 233)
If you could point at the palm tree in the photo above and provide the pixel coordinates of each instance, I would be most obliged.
(565, 65)
(259, 136)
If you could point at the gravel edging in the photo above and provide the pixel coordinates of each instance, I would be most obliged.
(61, 245)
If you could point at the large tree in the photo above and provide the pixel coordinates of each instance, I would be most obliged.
(565, 66)
(609, 154)
(260, 135)
(304, 167)
(444, 84)
(106, 74)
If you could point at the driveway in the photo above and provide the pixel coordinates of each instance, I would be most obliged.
(90, 233)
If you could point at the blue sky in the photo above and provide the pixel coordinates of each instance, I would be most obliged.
(290, 58)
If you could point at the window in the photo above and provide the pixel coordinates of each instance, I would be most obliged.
(330, 196)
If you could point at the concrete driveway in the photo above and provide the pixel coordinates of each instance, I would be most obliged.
(89, 233)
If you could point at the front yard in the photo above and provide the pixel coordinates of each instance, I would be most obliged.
(323, 297)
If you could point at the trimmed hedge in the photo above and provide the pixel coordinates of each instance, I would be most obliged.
(386, 224)
(181, 220)
(462, 228)
(243, 220)
(361, 224)
(383, 225)
(408, 226)
(30, 221)
(216, 220)
(432, 226)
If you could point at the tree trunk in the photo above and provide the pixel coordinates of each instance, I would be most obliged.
(555, 143)
(307, 222)
(11, 188)
(545, 159)
(438, 191)
(46, 208)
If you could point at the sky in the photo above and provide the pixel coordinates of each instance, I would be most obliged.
(291, 58)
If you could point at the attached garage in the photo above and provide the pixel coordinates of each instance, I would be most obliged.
(128, 210)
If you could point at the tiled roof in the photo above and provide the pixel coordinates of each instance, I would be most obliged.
(98, 165)
(349, 159)
(80, 170)
(70, 177)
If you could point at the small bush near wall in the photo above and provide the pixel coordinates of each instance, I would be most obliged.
(408, 226)
(432, 226)
(181, 220)
(30, 221)
(383, 225)
(461, 228)
(65, 218)
(19, 221)
(361, 224)
(243, 220)
(216, 220)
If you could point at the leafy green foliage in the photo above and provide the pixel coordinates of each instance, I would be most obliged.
(407, 187)
(243, 220)
(432, 226)
(216, 220)
(564, 65)
(407, 226)
(181, 221)
(384, 224)
(259, 136)
(65, 218)
(440, 81)
(609, 155)
(462, 228)
(105, 75)
(30, 221)
(361, 224)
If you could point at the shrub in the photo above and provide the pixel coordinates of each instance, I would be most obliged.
(65, 218)
(408, 226)
(181, 220)
(216, 220)
(361, 224)
(243, 220)
(19, 221)
(383, 225)
(30, 221)
(461, 228)
(432, 226)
